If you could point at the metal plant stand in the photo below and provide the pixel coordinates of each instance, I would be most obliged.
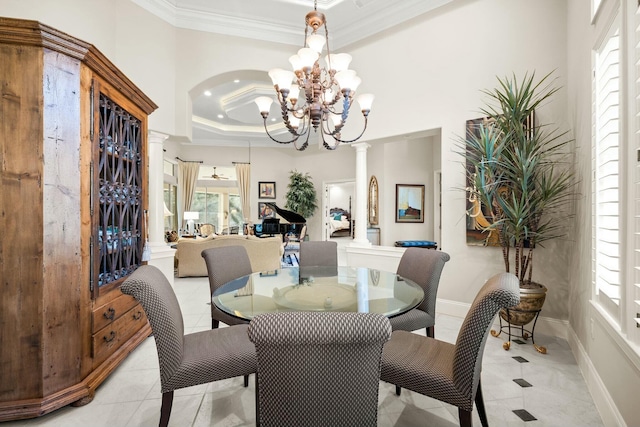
(524, 333)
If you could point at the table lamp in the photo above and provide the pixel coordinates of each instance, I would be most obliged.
(190, 216)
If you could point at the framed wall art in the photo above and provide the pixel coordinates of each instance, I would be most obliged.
(266, 190)
(409, 203)
(265, 211)
(373, 201)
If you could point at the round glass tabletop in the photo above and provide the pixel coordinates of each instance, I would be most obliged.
(318, 289)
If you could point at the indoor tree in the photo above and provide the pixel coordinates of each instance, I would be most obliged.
(518, 172)
(301, 194)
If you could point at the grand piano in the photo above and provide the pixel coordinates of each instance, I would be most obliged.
(271, 226)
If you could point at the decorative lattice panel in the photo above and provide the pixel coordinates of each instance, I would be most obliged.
(120, 178)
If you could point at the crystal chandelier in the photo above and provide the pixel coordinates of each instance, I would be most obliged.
(312, 96)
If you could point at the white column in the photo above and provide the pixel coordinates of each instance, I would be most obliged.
(361, 195)
(162, 256)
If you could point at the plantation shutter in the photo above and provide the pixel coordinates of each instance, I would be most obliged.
(605, 185)
(634, 296)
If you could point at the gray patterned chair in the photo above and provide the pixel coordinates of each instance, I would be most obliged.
(318, 369)
(448, 372)
(225, 264)
(192, 359)
(423, 266)
(320, 257)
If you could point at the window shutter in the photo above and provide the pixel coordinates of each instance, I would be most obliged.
(634, 295)
(605, 183)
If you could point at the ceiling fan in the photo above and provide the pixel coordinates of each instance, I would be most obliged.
(216, 176)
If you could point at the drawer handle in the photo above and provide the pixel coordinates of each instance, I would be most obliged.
(110, 314)
(137, 315)
(111, 337)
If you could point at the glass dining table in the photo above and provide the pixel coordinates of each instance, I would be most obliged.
(353, 289)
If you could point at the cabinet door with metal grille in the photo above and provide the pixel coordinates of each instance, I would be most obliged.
(119, 193)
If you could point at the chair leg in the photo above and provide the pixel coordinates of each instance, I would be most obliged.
(398, 390)
(465, 418)
(257, 404)
(165, 409)
(215, 323)
(246, 380)
(431, 331)
(480, 407)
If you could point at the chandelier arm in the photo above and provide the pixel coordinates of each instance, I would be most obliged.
(327, 146)
(354, 139)
(296, 136)
(303, 146)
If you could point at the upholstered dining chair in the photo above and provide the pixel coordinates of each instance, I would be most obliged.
(192, 359)
(451, 372)
(318, 369)
(424, 267)
(225, 264)
(319, 256)
(207, 229)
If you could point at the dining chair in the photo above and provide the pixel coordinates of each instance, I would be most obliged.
(225, 264)
(451, 372)
(191, 359)
(424, 267)
(318, 258)
(207, 229)
(318, 368)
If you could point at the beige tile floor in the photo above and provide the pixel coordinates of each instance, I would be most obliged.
(131, 395)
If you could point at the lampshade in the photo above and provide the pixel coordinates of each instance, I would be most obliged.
(264, 103)
(365, 100)
(191, 215)
(282, 78)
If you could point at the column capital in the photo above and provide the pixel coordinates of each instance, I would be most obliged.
(154, 137)
(361, 146)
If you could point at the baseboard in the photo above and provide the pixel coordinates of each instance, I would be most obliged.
(609, 413)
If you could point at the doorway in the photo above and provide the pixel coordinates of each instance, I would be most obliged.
(338, 210)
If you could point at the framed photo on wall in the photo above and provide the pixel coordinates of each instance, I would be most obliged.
(266, 190)
(265, 211)
(409, 203)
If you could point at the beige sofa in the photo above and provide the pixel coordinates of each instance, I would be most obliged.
(264, 253)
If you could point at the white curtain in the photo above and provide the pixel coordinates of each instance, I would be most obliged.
(243, 174)
(187, 178)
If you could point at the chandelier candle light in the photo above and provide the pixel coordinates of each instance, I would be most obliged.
(326, 94)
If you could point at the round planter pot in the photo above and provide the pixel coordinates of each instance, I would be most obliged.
(532, 296)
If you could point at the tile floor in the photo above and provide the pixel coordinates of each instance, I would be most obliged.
(131, 395)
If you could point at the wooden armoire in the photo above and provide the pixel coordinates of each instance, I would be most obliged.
(73, 171)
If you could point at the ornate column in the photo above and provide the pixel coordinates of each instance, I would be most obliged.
(361, 195)
(162, 256)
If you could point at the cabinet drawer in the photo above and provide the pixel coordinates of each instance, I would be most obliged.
(109, 339)
(111, 311)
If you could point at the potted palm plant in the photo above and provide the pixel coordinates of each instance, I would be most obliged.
(520, 182)
(301, 194)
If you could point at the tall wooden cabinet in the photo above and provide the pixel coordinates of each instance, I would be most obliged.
(73, 176)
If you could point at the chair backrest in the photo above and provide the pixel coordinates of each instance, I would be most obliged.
(500, 291)
(225, 264)
(424, 266)
(318, 368)
(207, 229)
(303, 233)
(151, 288)
(318, 254)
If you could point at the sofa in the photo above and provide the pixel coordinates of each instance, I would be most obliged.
(264, 253)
